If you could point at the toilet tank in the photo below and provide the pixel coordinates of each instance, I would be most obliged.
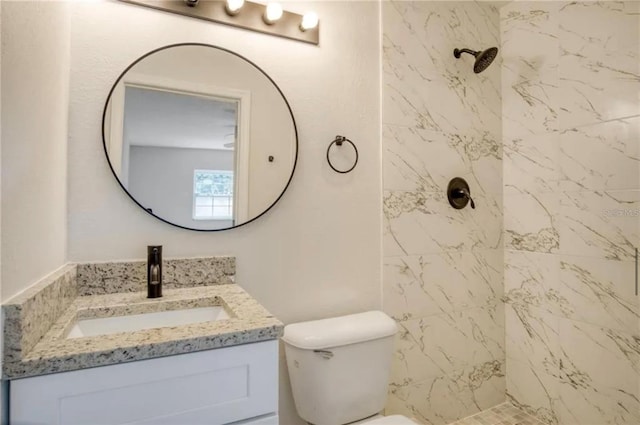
(339, 367)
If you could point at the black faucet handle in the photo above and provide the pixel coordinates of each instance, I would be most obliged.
(466, 194)
(459, 194)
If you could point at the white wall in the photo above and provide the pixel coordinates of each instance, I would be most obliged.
(35, 78)
(162, 179)
(317, 252)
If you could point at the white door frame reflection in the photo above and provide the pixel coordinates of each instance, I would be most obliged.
(118, 147)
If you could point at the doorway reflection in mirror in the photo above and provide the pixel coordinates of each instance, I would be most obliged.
(169, 139)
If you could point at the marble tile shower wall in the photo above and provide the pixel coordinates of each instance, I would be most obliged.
(571, 131)
(442, 267)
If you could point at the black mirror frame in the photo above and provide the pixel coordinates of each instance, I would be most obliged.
(293, 120)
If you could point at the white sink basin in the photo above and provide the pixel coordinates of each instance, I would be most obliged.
(138, 322)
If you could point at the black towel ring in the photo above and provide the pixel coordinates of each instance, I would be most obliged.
(338, 142)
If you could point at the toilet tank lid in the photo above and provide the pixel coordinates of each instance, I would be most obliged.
(339, 331)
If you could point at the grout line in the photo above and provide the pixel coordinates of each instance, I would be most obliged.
(627, 117)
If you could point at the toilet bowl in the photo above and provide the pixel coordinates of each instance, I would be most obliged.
(339, 369)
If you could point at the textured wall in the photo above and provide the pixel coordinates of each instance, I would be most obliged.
(442, 267)
(317, 252)
(571, 177)
(35, 82)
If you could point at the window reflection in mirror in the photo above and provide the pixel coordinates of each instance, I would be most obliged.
(213, 195)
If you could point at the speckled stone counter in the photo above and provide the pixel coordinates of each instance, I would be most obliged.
(38, 321)
(131, 276)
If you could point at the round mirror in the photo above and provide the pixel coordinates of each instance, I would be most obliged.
(199, 137)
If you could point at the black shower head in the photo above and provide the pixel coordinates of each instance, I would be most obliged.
(483, 58)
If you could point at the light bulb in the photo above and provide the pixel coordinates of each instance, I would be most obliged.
(309, 21)
(233, 6)
(273, 13)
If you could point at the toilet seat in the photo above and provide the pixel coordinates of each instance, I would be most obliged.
(391, 420)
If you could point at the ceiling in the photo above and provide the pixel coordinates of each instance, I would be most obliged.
(180, 120)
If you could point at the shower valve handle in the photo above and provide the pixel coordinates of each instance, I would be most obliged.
(459, 193)
(464, 193)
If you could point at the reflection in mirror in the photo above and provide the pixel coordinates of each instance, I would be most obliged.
(190, 131)
(192, 139)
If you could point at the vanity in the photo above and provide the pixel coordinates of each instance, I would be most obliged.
(202, 139)
(86, 346)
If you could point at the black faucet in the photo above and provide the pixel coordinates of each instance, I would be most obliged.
(154, 271)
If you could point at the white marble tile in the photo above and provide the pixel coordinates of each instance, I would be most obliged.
(531, 164)
(531, 279)
(595, 26)
(529, 108)
(572, 320)
(425, 86)
(447, 105)
(409, 159)
(599, 375)
(604, 156)
(485, 158)
(444, 343)
(534, 391)
(419, 37)
(415, 159)
(390, 245)
(419, 286)
(531, 222)
(532, 336)
(411, 288)
(482, 188)
(442, 121)
(598, 65)
(424, 222)
(530, 50)
(600, 224)
(439, 400)
(592, 91)
(530, 43)
(600, 292)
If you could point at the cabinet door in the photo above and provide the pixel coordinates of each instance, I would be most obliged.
(209, 387)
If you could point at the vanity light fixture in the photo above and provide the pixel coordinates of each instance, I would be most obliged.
(233, 7)
(309, 21)
(267, 18)
(272, 13)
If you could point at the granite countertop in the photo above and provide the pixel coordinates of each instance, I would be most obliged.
(54, 352)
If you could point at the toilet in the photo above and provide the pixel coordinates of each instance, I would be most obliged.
(339, 369)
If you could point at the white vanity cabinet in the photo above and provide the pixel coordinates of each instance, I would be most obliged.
(236, 384)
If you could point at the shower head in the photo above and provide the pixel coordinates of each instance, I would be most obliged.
(483, 58)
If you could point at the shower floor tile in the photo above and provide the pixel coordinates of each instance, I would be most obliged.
(502, 414)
